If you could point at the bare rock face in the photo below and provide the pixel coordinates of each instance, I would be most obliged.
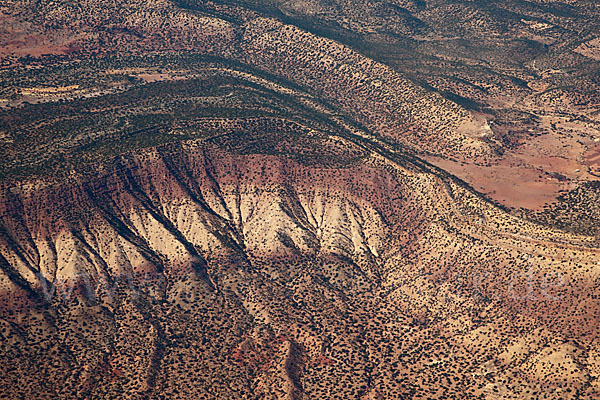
(255, 200)
(268, 276)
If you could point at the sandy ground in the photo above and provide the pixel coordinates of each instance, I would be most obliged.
(533, 174)
(20, 38)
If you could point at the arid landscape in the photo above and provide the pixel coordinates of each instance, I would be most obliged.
(262, 199)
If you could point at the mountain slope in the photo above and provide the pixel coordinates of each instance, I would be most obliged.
(256, 200)
(276, 275)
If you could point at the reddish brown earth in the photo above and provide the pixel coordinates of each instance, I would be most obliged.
(592, 160)
(270, 242)
(219, 200)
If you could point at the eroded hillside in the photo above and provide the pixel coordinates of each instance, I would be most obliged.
(295, 200)
(280, 275)
(502, 94)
